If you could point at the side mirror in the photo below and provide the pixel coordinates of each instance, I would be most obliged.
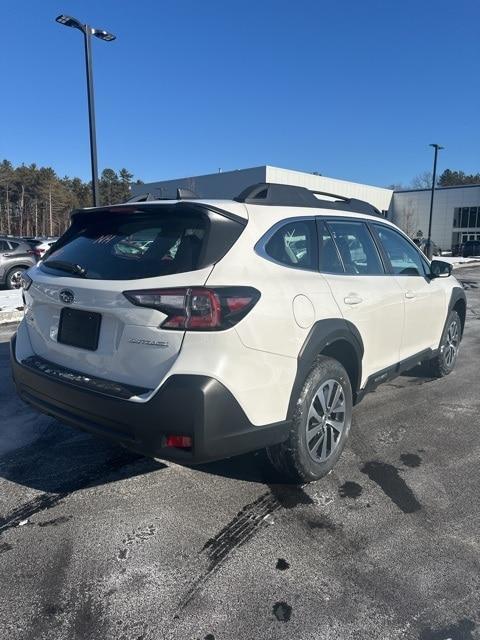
(440, 269)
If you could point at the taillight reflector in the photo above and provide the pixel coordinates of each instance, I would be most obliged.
(179, 442)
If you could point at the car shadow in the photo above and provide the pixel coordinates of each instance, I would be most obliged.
(52, 457)
(250, 467)
(63, 459)
(419, 371)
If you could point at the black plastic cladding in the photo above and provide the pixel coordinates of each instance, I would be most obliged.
(323, 334)
(458, 296)
(270, 193)
(193, 405)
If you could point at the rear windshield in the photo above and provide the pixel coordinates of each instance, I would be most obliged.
(122, 247)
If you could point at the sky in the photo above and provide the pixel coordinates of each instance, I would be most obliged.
(351, 89)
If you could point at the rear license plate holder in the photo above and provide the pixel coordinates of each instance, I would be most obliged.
(79, 328)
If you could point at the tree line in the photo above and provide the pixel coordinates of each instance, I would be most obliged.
(448, 178)
(35, 201)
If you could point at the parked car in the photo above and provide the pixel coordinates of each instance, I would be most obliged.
(40, 246)
(457, 249)
(234, 325)
(471, 248)
(16, 257)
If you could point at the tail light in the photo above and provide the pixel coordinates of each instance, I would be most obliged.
(38, 252)
(198, 308)
(25, 281)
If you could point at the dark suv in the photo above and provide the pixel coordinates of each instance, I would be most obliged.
(471, 248)
(16, 256)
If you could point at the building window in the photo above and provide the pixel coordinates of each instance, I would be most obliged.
(466, 217)
(456, 217)
(472, 220)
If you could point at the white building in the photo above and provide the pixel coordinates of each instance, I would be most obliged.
(456, 213)
(230, 184)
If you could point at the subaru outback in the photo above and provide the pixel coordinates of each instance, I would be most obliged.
(193, 330)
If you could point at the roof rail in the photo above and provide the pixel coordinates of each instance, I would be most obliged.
(270, 193)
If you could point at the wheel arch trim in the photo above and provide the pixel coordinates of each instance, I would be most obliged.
(323, 334)
(458, 296)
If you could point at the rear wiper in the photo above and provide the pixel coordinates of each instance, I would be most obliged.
(61, 265)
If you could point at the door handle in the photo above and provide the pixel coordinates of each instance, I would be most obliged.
(352, 299)
(410, 294)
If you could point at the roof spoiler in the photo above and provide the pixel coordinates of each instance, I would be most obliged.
(142, 197)
(182, 194)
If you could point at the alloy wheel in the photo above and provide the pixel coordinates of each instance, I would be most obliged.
(16, 279)
(450, 347)
(326, 420)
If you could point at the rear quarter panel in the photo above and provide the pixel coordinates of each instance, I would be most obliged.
(272, 326)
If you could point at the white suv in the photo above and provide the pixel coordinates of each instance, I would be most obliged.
(195, 330)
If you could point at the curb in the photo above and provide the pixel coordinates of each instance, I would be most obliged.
(8, 317)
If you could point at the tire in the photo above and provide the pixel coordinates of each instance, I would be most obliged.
(444, 362)
(13, 279)
(301, 459)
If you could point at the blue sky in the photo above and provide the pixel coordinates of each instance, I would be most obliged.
(354, 90)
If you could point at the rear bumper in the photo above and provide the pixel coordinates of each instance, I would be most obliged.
(189, 405)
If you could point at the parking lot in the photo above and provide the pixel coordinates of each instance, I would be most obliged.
(96, 542)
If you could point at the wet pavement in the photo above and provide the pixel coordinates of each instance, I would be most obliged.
(96, 542)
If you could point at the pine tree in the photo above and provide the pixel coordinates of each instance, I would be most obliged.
(36, 201)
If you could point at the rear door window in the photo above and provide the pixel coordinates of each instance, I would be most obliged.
(123, 246)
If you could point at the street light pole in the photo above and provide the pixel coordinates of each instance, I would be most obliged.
(437, 148)
(88, 32)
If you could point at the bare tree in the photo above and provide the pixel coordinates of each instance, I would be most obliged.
(423, 180)
(22, 207)
(50, 208)
(36, 217)
(407, 219)
(394, 186)
(7, 206)
(410, 220)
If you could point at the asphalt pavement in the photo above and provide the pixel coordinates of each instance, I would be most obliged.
(98, 543)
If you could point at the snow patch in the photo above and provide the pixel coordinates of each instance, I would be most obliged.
(11, 300)
(457, 260)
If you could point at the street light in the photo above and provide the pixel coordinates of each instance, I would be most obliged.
(437, 148)
(88, 32)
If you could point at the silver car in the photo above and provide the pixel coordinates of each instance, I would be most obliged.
(16, 256)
